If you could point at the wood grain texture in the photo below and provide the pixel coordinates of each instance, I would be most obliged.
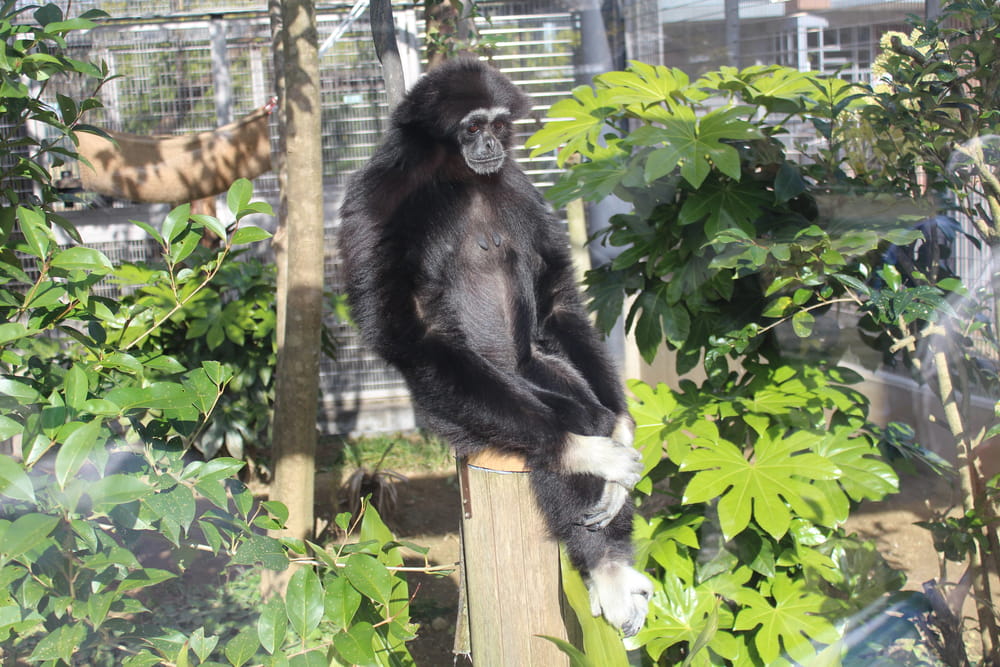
(511, 568)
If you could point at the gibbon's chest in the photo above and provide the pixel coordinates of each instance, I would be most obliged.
(483, 276)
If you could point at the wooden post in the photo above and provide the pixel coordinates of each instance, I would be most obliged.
(510, 565)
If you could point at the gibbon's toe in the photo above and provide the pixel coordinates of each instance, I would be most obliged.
(613, 498)
(621, 594)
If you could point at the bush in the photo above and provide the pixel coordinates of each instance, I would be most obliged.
(756, 468)
(97, 419)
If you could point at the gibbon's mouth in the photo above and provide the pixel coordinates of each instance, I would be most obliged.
(487, 166)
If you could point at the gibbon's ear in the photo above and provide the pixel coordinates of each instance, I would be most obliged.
(444, 96)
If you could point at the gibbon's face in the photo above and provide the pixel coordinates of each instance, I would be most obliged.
(483, 136)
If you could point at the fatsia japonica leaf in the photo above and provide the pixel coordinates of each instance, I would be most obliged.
(864, 474)
(650, 408)
(767, 486)
(645, 84)
(696, 144)
(680, 613)
(724, 205)
(790, 625)
(574, 124)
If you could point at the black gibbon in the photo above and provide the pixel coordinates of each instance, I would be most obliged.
(459, 274)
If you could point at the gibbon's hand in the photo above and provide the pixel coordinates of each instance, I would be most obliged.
(602, 457)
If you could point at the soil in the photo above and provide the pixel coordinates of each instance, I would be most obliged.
(428, 514)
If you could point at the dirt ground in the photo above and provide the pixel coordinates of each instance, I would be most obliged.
(428, 514)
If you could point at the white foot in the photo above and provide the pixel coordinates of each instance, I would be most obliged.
(621, 594)
(603, 457)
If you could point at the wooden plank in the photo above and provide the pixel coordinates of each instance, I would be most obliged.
(511, 568)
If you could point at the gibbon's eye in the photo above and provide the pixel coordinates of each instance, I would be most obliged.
(473, 128)
(498, 125)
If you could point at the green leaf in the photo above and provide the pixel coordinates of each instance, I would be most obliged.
(144, 578)
(11, 331)
(575, 655)
(117, 490)
(764, 486)
(36, 231)
(273, 624)
(175, 222)
(864, 475)
(574, 124)
(238, 196)
(802, 323)
(27, 532)
(83, 259)
(788, 184)
(369, 576)
(75, 386)
(22, 392)
(60, 644)
(355, 644)
(211, 223)
(176, 505)
(202, 645)
(342, 602)
(793, 622)
(249, 234)
(76, 448)
(14, 481)
(304, 601)
(723, 206)
(242, 647)
(261, 549)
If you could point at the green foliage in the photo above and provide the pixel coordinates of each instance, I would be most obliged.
(230, 321)
(727, 245)
(100, 407)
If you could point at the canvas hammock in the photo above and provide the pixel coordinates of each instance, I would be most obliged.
(176, 168)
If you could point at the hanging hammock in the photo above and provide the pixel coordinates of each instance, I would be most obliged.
(176, 168)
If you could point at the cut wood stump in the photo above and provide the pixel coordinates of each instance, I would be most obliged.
(510, 566)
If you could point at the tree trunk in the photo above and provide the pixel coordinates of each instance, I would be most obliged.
(297, 376)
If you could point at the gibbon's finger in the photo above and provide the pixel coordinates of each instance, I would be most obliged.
(624, 433)
(613, 498)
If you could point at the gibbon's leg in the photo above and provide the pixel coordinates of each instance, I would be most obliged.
(603, 556)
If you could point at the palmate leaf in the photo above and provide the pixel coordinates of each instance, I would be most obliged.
(724, 205)
(575, 124)
(695, 145)
(768, 486)
(790, 625)
(645, 84)
(863, 474)
(684, 614)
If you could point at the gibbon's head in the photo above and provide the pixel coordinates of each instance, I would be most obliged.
(468, 105)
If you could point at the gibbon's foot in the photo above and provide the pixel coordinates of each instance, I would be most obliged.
(603, 457)
(613, 498)
(621, 594)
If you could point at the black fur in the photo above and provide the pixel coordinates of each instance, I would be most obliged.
(464, 282)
